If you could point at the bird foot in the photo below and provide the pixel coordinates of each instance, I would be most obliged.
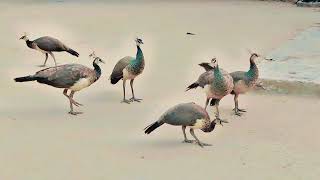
(75, 113)
(188, 141)
(238, 113)
(240, 110)
(135, 99)
(204, 144)
(126, 101)
(220, 121)
(76, 103)
(201, 144)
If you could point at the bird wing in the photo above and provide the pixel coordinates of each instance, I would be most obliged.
(185, 114)
(238, 75)
(64, 76)
(121, 64)
(208, 77)
(205, 78)
(206, 66)
(47, 43)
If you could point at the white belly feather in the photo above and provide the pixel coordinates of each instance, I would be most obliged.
(127, 75)
(38, 49)
(207, 90)
(80, 84)
(199, 124)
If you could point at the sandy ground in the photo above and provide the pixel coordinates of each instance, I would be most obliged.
(276, 139)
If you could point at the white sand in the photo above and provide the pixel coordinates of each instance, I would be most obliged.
(276, 139)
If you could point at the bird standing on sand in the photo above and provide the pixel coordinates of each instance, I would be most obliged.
(47, 45)
(72, 77)
(186, 115)
(128, 68)
(244, 81)
(217, 84)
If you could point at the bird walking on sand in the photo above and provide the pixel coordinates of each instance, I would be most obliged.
(128, 68)
(244, 81)
(73, 77)
(186, 115)
(47, 45)
(216, 82)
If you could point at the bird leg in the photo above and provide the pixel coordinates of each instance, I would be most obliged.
(124, 93)
(218, 119)
(72, 102)
(54, 59)
(186, 140)
(133, 97)
(45, 61)
(201, 144)
(65, 92)
(236, 108)
(217, 108)
(207, 102)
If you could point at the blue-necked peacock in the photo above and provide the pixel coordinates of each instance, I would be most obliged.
(217, 84)
(244, 81)
(128, 68)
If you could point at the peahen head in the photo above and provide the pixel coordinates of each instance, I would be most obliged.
(24, 37)
(96, 59)
(210, 127)
(254, 55)
(92, 55)
(138, 41)
(214, 63)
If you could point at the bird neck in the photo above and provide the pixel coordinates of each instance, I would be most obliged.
(217, 73)
(139, 55)
(97, 69)
(253, 71)
(29, 43)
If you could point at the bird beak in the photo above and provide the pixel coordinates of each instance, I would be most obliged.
(20, 38)
(102, 61)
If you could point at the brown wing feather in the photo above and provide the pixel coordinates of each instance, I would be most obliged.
(47, 43)
(118, 68)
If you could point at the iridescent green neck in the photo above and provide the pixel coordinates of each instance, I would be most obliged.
(217, 73)
(139, 55)
(219, 81)
(253, 71)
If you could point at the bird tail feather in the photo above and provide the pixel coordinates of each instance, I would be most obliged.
(213, 102)
(152, 127)
(192, 86)
(114, 80)
(25, 78)
(73, 52)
